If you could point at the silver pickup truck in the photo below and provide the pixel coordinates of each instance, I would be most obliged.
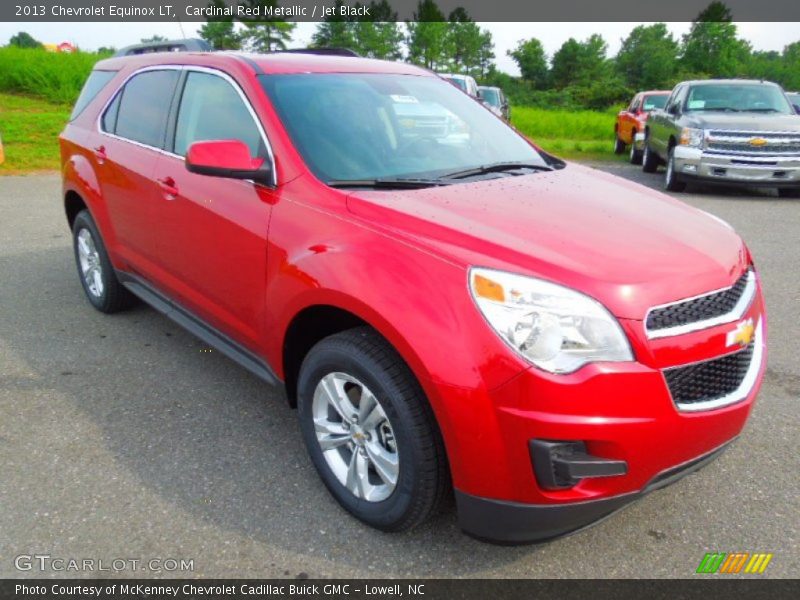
(725, 131)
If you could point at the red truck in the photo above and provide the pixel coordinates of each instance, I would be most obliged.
(451, 313)
(630, 123)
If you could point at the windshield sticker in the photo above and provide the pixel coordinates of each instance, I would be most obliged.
(695, 104)
(404, 99)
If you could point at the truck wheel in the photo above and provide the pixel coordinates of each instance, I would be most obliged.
(619, 145)
(671, 181)
(636, 155)
(370, 431)
(96, 273)
(789, 192)
(649, 158)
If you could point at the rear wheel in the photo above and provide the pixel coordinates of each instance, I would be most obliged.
(370, 431)
(649, 159)
(619, 145)
(636, 155)
(96, 273)
(672, 182)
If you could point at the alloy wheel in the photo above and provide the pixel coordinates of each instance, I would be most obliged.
(356, 437)
(91, 267)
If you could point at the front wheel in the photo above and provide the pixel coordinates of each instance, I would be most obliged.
(789, 192)
(636, 155)
(671, 181)
(370, 431)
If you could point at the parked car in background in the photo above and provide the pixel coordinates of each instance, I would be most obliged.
(496, 101)
(630, 122)
(729, 131)
(465, 83)
(794, 98)
(454, 312)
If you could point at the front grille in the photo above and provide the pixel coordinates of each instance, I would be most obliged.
(739, 143)
(709, 380)
(697, 309)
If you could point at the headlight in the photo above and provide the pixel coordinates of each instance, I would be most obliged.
(692, 137)
(555, 328)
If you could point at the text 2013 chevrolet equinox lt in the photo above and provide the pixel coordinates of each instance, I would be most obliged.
(450, 309)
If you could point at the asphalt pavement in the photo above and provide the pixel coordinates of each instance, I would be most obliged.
(120, 439)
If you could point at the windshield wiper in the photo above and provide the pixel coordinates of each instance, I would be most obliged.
(396, 183)
(494, 168)
(720, 109)
(762, 110)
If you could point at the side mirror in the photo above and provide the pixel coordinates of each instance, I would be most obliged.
(796, 108)
(674, 109)
(227, 158)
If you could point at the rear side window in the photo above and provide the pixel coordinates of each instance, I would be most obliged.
(96, 82)
(143, 108)
(211, 109)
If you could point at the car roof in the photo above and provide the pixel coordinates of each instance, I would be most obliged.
(266, 64)
(656, 92)
(699, 82)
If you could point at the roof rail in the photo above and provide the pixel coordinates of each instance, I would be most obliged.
(322, 51)
(187, 45)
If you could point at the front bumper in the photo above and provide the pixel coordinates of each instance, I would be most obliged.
(622, 413)
(694, 163)
(504, 522)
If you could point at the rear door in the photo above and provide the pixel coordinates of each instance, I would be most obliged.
(212, 232)
(132, 132)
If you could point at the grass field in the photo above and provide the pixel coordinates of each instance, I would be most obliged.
(29, 128)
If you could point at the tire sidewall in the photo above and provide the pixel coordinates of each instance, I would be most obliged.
(327, 358)
(84, 221)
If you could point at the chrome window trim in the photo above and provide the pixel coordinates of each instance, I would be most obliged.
(745, 387)
(199, 69)
(736, 312)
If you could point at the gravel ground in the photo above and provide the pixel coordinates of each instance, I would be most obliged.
(121, 439)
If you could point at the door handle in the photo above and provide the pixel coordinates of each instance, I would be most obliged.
(100, 154)
(167, 184)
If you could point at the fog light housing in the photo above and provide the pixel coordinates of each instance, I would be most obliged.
(562, 464)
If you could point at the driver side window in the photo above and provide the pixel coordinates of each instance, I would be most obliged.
(211, 109)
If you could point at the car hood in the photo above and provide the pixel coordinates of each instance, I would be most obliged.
(621, 243)
(744, 121)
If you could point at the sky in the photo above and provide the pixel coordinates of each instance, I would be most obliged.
(90, 36)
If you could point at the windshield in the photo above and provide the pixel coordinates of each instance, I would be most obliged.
(491, 96)
(356, 126)
(458, 82)
(737, 98)
(653, 102)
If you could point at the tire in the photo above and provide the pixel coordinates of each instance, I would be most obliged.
(649, 158)
(635, 155)
(619, 145)
(789, 192)
(399, 430)
(96, 274)
(672, 182)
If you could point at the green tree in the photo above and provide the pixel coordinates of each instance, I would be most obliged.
(154, 38)
(648, 57)
(335, 31)
(265, 35)
(375, 36)
(427, 36)
(221, 32)
(532, 62)
(24, 40)
(580, 63)
(767, 65)
(791, 67)
(712, 45)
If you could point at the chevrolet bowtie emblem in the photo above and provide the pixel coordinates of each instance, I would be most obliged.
(758, 142)
(742, 335)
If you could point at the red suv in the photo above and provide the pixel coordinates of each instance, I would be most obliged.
(450, 309)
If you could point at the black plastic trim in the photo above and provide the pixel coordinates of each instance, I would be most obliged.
(562, 464)
(198, 327)
(504, 522)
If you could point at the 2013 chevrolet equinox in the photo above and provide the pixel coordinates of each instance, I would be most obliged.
(449, 307)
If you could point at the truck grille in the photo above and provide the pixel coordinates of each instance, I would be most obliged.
(709, 380)
(698, 309)
(753, 143)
